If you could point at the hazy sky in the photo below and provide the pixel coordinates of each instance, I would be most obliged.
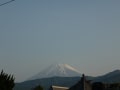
(37, 33)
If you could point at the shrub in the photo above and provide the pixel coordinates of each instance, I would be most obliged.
(6, 81)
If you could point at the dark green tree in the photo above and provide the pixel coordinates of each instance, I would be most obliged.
(39, 87)
(6, 81)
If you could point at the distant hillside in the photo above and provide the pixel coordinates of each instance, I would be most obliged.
(110, 77)
(47, 82)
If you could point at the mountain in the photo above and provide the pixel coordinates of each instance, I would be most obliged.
(47, 82)
(111, 77)
(63, 75)
(59, 70)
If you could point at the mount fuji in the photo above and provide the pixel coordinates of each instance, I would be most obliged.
(58, 70)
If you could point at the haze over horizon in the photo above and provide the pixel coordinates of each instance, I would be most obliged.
(36, 34)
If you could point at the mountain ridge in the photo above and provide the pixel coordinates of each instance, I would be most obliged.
(111, 77)
(60, 70)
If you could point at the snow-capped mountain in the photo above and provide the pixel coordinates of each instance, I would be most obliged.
(60, 70)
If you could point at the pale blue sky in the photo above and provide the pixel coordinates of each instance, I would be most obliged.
(37, 33)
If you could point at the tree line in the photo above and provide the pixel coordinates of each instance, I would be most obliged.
(7, 82)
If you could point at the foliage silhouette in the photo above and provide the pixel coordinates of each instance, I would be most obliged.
(39, 87)
(6, 81)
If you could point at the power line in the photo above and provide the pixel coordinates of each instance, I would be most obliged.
(6, 2)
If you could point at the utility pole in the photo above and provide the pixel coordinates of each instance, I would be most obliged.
(83, 76)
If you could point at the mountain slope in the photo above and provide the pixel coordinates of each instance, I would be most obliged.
(47, 82)
(110, 77)
(60, 70)
(67, 81)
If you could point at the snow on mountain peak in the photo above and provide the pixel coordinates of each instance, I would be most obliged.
(60, 70)
(70, 67)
